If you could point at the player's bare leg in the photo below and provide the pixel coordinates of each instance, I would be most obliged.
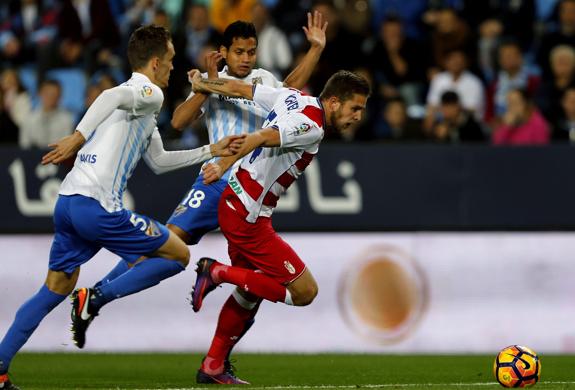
(171, 258)
(304, 289)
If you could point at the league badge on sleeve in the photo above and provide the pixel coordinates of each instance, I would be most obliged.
(302, 129)
(146, 91)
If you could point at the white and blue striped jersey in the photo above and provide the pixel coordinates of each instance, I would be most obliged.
(107, 159)
(233, 116)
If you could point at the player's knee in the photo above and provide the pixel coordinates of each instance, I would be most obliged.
(183, 255)
(306, 295)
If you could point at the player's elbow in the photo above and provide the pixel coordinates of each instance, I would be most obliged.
(177, 122)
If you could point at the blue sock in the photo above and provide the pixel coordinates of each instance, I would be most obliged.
(143, 275)
(27, 319)
(118, 270)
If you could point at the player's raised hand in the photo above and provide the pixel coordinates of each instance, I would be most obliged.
(228, 146)
(315, 30)
(212, 60)
(212, 172)
(194, 77)
(64, 149)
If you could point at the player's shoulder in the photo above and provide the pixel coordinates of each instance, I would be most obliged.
(262, 76)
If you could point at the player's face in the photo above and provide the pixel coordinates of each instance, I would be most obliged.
(240, 57)
(348, 112)
(165, 66)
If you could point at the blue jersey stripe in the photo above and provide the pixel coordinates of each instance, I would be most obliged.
(133, 157)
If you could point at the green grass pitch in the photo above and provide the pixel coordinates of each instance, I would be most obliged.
(33, 371)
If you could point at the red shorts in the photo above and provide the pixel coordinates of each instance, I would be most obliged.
(256, 245)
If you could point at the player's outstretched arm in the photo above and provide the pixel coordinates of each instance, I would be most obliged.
(64, 149)
(315, 34)
(232, 88)
(161, 161)
(191, 109)
(268, 137)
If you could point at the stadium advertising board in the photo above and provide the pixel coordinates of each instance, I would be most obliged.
(371, 187)
(378, 292)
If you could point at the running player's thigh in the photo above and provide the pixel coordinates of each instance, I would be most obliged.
(273, 256)
(197, 213)
(131, 236)
(304, 285)
(174, 248)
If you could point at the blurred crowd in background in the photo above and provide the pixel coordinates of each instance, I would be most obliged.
(443, 71)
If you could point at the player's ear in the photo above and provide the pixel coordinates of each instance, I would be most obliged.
(334, 103)
(224, 51)
(155, 64)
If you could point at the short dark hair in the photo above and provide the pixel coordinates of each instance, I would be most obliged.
(238, 29)
(145, 43)
(344, 84)
(449, 97)
(50, 82)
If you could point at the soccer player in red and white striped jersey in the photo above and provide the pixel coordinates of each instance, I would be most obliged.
(263, 265)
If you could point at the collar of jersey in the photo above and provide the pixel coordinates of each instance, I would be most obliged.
(140, 76)
(322, 110)
(225, 71)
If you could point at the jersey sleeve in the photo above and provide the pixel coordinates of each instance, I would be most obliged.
(298, 130)
(266, 96)
(148, 99)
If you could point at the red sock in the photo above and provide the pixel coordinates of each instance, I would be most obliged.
(253, 282)
(231, 324)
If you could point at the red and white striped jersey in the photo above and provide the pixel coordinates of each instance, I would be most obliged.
(266, 173)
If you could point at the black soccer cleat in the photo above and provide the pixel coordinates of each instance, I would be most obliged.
(81, 317)
(204, 282)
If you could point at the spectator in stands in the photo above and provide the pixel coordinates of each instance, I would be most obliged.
(564, 125)
(48, 123)
(92, 92)
(513, 74)
(273, 52)
(455, 78)
(510, 18)
(522, 123)
(224, 12)
(392, 122)
(565, 35)
(550, 93)
(410, 12)
(449, 33)
(8, 129)
(398, 63)
(29, 29)
(16, 100)
(91, 24)
(455, 124)
(197, 34)
(342, 50)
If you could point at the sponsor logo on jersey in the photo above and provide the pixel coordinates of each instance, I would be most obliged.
(180, 210)
(153, 230)
(257, 80)
(289, 267)
(302, 129)
(88, 158)
(235, 185)
(146, 91)
(291, 102)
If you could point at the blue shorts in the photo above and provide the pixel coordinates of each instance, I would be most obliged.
(197, 213)
(83, 227)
